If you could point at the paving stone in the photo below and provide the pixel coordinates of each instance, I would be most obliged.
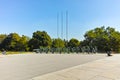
(100, 78)
(104, 69)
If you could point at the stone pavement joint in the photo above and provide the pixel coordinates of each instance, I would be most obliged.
(103, 69)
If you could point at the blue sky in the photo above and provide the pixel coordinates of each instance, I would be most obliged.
(27, 16)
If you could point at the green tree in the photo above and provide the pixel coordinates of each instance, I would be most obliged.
(73, 43)
(103, 38)
(10, 42)
(33, 44)
(43, 37)
(22, 44)
(58, 43)
(2, 37)
(40, 39)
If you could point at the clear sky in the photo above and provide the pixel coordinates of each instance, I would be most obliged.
(27, 16)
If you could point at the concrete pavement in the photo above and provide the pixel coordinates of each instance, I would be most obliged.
(103, 69)
(27, 66)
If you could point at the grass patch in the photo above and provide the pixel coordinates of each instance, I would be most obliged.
(17, 52)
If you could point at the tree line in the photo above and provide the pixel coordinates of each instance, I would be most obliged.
(101, 38)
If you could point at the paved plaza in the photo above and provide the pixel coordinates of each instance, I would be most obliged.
(28, 66)
(102, 69)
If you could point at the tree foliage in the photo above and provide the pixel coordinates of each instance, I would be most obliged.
(33, 44)
(73, 43)
(2, 37)
(22, 44)
(58, 43)
(103, 38)
(10, 42)
(40, 39)
(13, 42)
(43, 37)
